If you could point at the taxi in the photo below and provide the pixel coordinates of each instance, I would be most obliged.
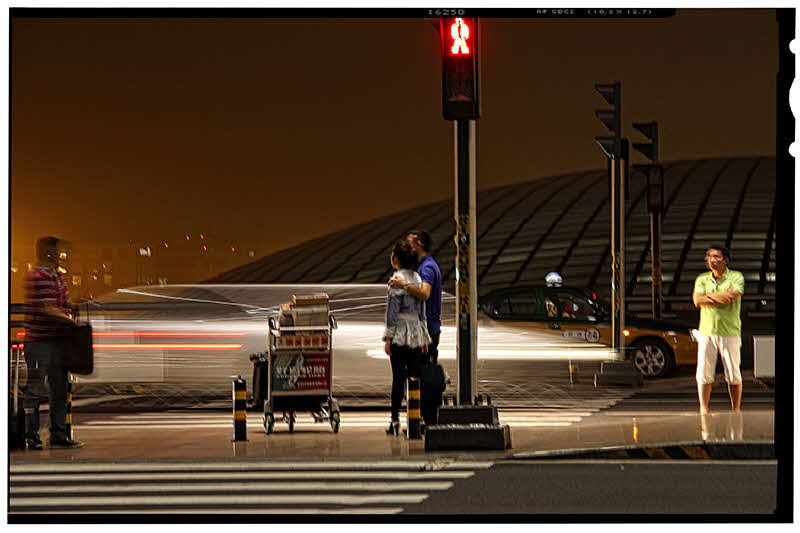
(656, 347)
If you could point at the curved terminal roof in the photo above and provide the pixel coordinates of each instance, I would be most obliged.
(561, 224)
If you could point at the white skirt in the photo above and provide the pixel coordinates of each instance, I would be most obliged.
(411, 333)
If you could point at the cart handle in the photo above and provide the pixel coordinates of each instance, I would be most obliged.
(272, 324)
(332, 322)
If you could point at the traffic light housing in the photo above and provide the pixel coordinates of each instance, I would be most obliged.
(649, 149)
(611, 118)
(460, 68)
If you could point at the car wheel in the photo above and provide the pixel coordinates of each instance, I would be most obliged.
(652, 357)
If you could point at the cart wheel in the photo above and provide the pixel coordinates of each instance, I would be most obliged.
(292, 419)
(335, 421)
(269, 422)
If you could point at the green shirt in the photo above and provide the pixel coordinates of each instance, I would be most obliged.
(722, 320)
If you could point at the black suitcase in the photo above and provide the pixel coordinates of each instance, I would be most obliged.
(260, 382)
(16, 413)
(432, 386)
(78, 350)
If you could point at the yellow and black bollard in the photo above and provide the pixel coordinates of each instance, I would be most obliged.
(239, 409)
(68, 418)
(413, 413)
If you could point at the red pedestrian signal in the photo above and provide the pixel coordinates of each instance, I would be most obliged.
(459, 35)
(460, 68)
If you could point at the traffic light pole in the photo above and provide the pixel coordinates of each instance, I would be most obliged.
(618, 167)
(466, 261)
(655, 192)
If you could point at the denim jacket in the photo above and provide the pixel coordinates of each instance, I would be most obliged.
(405, 314)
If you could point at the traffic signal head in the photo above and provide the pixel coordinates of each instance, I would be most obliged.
(649, 130)
(460, 84)
(611, 118)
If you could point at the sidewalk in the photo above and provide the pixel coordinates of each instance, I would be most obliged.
(604, 429)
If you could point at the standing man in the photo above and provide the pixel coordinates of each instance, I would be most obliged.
(47, 316)
(718, 294)
(430, 291)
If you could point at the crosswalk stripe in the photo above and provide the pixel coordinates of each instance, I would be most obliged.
(238, 510)
(239, 476)
(246, 486)
(250, 466)
(45, 491)
(199, 500)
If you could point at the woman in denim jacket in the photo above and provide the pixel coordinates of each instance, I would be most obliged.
(406, 335)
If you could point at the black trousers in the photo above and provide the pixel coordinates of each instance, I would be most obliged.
(406, 362)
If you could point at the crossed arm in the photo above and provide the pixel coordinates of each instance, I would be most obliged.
(715, 299)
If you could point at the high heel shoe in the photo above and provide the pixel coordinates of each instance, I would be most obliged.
(394, 428)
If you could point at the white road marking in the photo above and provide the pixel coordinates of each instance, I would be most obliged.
(266, 510)
(251, 487)
(45, 491)
(249, 466)
(239, 499)
(241, 476)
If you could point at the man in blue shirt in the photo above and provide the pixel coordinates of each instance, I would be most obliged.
(431, 289)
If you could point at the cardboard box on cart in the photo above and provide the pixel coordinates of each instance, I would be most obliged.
(311, 310)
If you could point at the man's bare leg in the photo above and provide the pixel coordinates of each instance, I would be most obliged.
(735, 392)
(704, 395)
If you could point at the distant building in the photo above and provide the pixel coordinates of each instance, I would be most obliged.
(561, 224)
(92, 269)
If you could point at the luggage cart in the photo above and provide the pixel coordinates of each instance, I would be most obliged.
(292, 379)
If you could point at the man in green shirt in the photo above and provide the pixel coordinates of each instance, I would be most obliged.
(718, 294)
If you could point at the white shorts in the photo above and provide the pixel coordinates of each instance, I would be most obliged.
(729, 348)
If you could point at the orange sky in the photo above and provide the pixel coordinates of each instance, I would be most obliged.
(277, 131)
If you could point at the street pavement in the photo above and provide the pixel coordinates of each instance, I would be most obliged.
(184, 461)
(379, 487)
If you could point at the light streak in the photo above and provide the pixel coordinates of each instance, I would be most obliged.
(527, 354)
(21, 334)
(168, 346)
(163, 334)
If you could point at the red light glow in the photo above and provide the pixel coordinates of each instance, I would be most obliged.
(164, 334)
(459, 31)
(168, 346)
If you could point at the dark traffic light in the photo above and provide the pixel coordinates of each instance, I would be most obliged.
(649, 130)
(611, 118)
(460, 84)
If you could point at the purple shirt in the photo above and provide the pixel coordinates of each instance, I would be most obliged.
(429, 271)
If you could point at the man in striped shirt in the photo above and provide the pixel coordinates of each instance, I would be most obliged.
(47, 317)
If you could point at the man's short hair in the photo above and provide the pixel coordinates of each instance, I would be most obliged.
(423, 237)
(45, 244)
(724, 251)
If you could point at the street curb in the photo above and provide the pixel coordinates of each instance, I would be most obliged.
(691, 450)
